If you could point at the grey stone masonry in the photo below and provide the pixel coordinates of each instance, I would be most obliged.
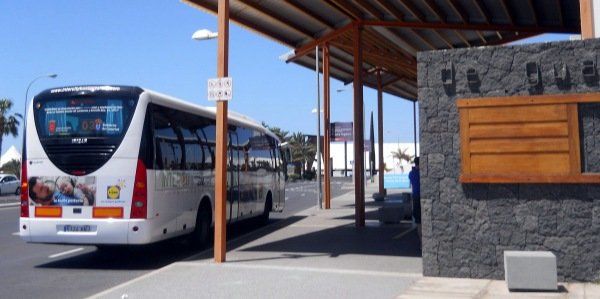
(467, 227)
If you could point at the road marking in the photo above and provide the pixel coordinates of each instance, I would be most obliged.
(16, 234)
(9, 205)
(65, 252)
(402, 234)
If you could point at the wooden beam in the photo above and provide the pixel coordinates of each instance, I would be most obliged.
(587, 19)
(410, 69)
(327, 124)
(486, 14)
(346, 8)
(276, 18)
(459, 10)
(220, 234)
(464, 16)
(560, 14)
(483, 10)
(414, 10)
(378, 15)
(390, 8)
(372, 10)
(359, 141)
(473, 27)
(309, 47)
(442, 17)
(533, 12)
(506, 9)
(381, 167)
(436, 10)
(444, 39)
(293, 4)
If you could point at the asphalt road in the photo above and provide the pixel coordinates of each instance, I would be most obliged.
(62, 271)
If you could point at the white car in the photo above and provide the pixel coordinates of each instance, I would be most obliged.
(9, 184)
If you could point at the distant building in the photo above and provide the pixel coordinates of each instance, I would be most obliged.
(392, 164)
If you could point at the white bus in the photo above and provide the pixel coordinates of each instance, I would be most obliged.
(124, 165)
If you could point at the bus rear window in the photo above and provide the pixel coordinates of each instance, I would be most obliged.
(82, 117)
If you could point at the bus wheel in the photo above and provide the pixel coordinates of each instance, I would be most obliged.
(268, 207)
(201, 234)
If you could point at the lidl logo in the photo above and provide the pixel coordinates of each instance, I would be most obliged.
(113, 192)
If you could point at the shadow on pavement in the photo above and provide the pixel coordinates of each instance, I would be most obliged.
(346, 239)
(154, 256)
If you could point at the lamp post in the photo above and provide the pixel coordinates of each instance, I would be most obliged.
(51, 76)
(320, 190)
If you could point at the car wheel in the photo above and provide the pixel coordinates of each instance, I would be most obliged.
(18, 191)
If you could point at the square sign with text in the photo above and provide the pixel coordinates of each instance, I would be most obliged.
(220, 89)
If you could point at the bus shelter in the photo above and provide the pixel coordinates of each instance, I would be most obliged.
(374, 43)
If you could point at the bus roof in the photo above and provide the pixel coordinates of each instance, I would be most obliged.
(125, 90)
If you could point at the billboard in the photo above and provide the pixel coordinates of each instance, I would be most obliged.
(341, 131)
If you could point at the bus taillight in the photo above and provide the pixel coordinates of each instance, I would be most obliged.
(139, 203)
(24, 190)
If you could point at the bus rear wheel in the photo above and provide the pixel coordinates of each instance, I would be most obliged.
(201, 235)
(268, 207)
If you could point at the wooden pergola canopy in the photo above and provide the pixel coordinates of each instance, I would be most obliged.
(395, 30)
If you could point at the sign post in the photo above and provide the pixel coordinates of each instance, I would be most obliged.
(221, 134)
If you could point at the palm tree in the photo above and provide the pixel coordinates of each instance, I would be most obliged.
(303, 151)
(280, 133)
(9, 123)
(401, 154)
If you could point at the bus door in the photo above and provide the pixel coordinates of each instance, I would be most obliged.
(279, 198)
(233, 178)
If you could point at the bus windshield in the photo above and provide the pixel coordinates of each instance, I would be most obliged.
(82, 117)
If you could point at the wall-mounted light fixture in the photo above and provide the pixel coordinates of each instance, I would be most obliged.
(588, 70)
(473, 79)
(561, 75)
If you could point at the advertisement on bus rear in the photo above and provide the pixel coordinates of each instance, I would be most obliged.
(62, 190)
(80, 191)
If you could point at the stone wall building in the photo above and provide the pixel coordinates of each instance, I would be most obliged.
(467, 227)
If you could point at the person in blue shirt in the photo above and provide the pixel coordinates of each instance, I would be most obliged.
(415, 184)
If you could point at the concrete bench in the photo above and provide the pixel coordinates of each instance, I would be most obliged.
(392, 211)
(530, 270)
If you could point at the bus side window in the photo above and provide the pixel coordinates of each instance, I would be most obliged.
(208, 133)
(168, 146)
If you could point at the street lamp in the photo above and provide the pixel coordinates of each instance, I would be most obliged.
(51, 76)
(30, 83)
(204, 34)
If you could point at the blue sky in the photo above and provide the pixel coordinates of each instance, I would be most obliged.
(148, 43)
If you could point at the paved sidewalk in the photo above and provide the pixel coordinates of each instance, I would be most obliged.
(313, 254)
(437, 287)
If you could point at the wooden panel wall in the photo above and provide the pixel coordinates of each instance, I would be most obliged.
(531, 139)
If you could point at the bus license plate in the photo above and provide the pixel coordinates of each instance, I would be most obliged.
(77, 228)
